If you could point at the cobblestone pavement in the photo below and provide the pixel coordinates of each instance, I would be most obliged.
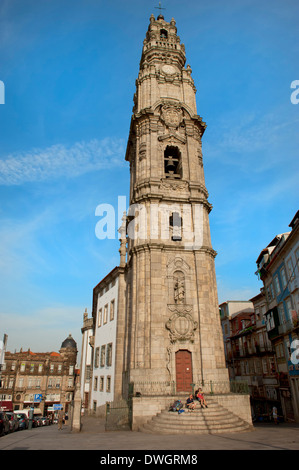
(93, 437)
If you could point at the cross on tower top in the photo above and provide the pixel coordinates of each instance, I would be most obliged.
(160, 8)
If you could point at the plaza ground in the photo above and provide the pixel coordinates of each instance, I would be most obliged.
(270, 437)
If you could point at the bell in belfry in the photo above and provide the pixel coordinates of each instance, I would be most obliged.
(170, 166)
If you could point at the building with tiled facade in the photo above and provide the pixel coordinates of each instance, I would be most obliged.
(39, 380)
(278, 269)
(249, 353)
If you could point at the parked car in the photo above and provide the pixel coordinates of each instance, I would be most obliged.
(23, 420)
(4, 424)
(45, 421)
(36, 421)
(13, 421)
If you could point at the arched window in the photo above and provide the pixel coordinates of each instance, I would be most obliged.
(172, 162)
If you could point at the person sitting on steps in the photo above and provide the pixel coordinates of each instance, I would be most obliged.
(190, 403)
(201, 398)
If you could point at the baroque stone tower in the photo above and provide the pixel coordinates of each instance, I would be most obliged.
(169, 335)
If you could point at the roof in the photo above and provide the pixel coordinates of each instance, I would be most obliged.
(257, 297)
(273, 245)
(23, 355)
(294, 220)
(277, 239)
(246, 311)
(234, 301)
(112, 273)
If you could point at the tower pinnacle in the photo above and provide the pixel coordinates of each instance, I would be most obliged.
(160, 8)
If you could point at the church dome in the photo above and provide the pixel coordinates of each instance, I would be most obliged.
(69, 342)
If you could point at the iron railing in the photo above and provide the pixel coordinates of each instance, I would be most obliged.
(118, 415)
(169, 388)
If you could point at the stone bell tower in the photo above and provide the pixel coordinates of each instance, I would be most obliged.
(171, 335)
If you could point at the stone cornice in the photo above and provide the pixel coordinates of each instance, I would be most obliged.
(173, 197)
(175, 185)
(161, 246)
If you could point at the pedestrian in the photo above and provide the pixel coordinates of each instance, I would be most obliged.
(60, 419)
(274, 414)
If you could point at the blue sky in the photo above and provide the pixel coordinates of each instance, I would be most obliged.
(69, 70)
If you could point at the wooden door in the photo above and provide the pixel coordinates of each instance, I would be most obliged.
(183, 362)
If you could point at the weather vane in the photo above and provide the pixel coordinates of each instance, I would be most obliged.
(160, 8)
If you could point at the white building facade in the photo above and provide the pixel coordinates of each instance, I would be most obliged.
(86, 359)
(105, 303)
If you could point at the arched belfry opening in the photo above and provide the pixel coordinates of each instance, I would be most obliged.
(163, 34)
(172, 162)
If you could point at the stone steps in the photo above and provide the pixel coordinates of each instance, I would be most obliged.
(211, 420)
(194, 418)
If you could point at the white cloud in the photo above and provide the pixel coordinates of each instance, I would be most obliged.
(61, 161)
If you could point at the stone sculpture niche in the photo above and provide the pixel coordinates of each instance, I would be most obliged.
(179, 287)
(180, 324)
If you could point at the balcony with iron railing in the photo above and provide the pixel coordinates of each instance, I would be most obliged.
(290, 324)
(249, 352)
(285, 327)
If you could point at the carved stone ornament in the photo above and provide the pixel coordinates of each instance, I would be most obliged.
(168, 69)
(172, 116)
(174, 185)
(181, 325)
